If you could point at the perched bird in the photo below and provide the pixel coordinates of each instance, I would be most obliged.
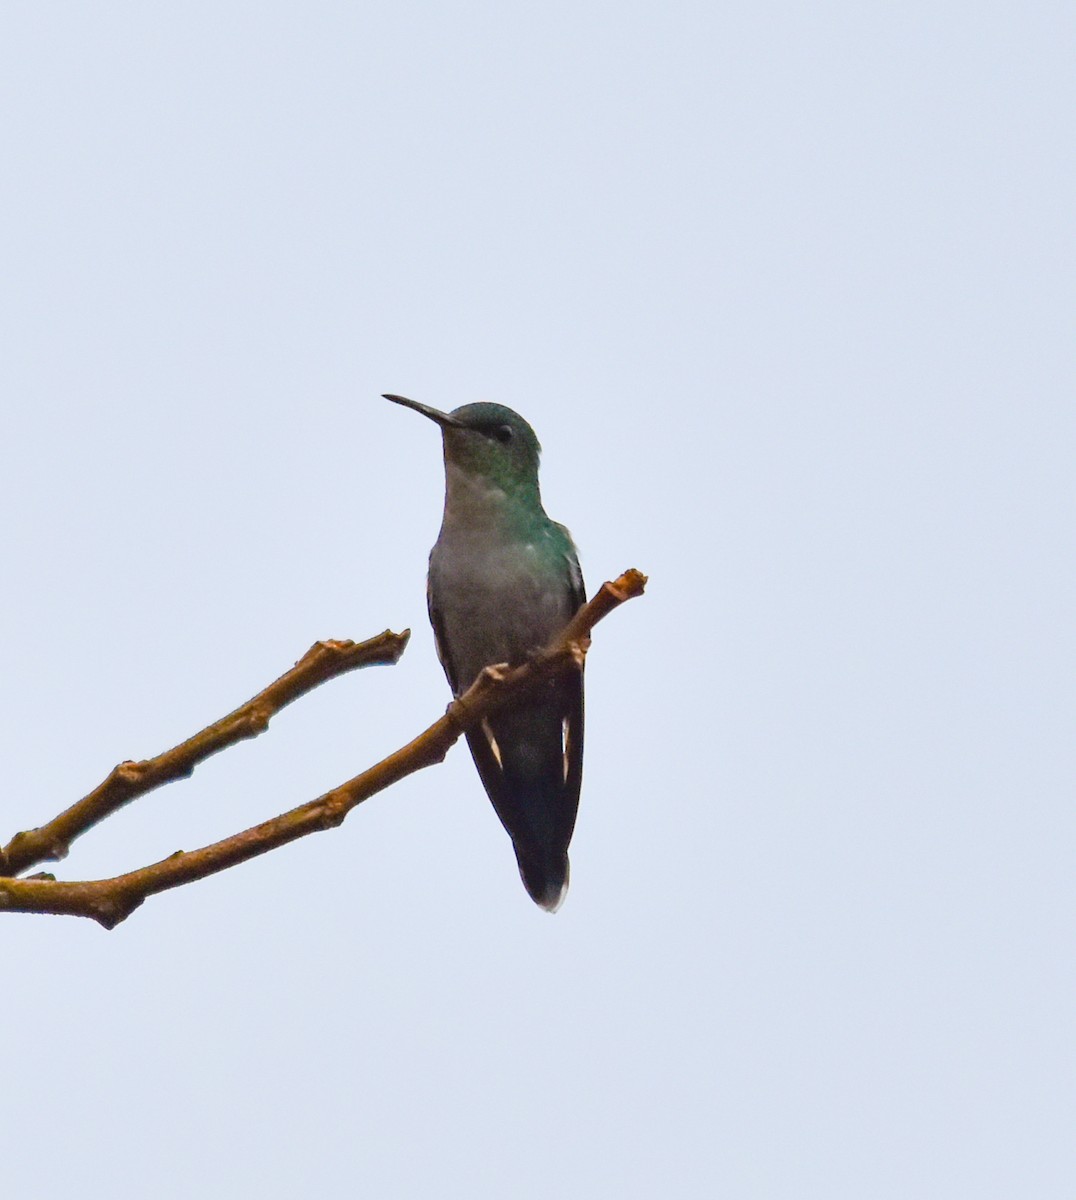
(504, 579)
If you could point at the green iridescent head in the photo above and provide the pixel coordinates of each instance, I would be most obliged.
(487, 441)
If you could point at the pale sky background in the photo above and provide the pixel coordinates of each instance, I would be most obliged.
(787, 291)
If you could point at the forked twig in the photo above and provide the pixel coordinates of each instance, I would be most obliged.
(323, 661)
(109, 901)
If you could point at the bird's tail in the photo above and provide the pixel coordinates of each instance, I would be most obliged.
(520, 756)
(545, 877)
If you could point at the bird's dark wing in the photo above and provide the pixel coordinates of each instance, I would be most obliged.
(573, 754)
(530, 760)
(575, 575)
(529, 757)
(573, 716)
(484, 748)
(441, 642)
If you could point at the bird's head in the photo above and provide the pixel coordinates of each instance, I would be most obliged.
(486, 441)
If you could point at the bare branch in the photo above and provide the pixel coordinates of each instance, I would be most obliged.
(323, 661)
(110, 901)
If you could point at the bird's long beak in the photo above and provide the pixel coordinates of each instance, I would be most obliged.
(442, 418)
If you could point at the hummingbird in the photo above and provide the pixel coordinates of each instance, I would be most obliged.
(503, 580)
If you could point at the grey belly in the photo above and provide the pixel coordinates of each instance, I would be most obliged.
(497, 606)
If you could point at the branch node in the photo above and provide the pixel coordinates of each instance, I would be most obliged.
(459, 711)
(257, 719)
(577, 651)
(130, 773)
(110, 910)
(40, 847)
(335, 806)
(629, 585)
(329, 646)
(489, 680)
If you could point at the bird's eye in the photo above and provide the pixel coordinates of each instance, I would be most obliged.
(503, 434)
